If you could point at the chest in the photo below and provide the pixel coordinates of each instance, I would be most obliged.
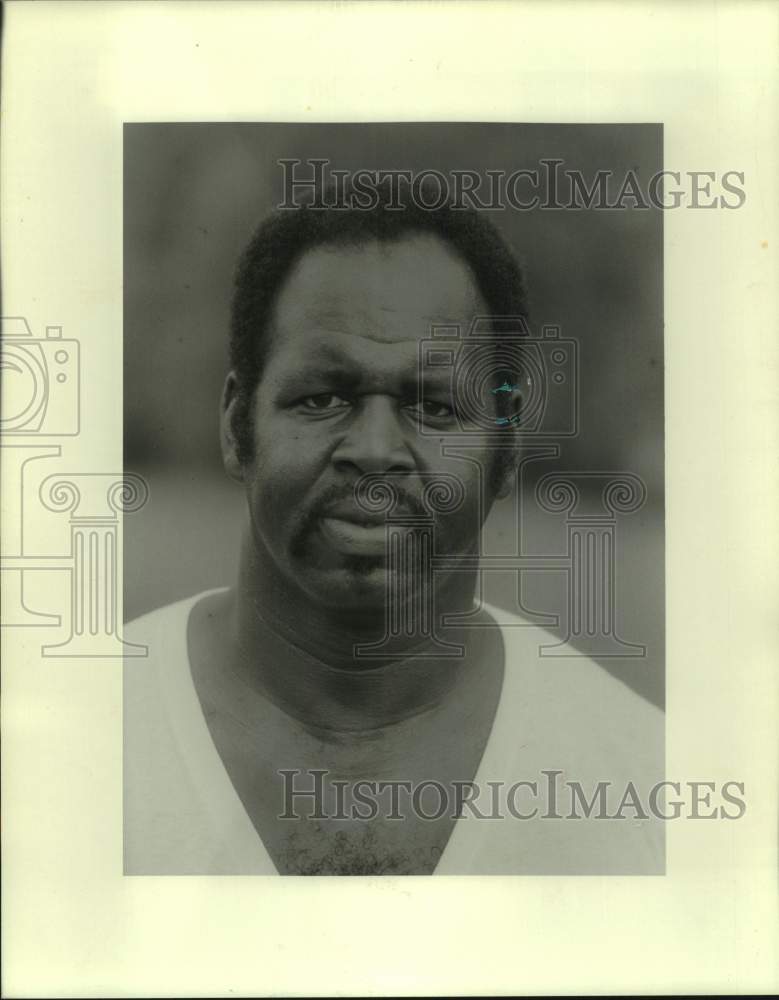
(378, 803)
(383, 799)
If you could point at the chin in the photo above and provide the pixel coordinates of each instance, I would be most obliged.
(361, 586)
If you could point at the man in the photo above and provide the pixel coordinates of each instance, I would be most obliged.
(304, 721)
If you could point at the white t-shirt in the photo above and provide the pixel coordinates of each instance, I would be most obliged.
(182, 815)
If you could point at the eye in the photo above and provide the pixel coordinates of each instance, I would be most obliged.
(431, 409)
(322, 402)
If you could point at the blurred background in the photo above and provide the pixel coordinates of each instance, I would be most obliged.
(194, 193)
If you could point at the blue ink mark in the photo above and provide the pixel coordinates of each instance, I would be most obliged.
(508, 420)
(504, 388)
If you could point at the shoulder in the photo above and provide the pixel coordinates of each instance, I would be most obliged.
(573, 707)
(159, 718)
(151, 621)
(567, 722)
(163, 625)
(156, 664)
(549, 665)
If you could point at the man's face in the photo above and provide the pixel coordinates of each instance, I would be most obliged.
(339, 397)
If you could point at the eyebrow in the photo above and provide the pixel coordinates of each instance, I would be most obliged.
(350, 377)
(341, 375)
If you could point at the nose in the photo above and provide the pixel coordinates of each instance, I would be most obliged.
(374, 440)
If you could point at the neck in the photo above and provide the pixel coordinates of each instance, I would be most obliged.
(301, 655)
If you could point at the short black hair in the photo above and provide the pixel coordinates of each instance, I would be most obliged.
(286, 235)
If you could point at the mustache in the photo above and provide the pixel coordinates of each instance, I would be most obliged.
(332, 496)
(345, 494)
(407, 503)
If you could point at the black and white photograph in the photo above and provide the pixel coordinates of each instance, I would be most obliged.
(397, 393)
(388, 435)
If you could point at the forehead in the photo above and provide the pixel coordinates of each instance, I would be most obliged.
(373, 299)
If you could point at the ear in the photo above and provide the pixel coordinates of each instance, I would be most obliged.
(511, 461)
(227, 434)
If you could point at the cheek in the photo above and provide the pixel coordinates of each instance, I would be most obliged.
(282, 449)
(459, 529)
(285, 466)
(472, 476)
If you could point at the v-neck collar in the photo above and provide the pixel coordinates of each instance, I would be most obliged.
(221, 803)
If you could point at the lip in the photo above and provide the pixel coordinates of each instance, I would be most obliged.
(355, 537)
(354, 515)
